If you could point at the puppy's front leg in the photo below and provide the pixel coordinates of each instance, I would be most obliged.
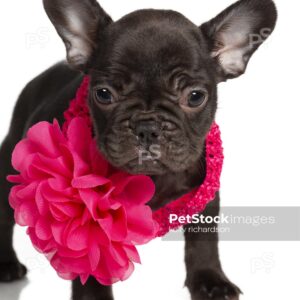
(92, 290)
(205, 277)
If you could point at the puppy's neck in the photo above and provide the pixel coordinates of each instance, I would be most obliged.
(171, 186)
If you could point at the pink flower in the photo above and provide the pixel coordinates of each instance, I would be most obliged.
(86, 217)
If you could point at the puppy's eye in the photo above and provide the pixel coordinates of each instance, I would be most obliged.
(104, 96)
(197, 98)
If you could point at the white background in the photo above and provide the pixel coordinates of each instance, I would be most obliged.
(259, 117)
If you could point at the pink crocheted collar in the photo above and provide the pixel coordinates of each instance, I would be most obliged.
(191, 203)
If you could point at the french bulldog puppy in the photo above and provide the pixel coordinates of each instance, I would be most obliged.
(154, 77)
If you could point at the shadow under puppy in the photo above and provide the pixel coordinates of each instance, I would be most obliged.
(154, 77)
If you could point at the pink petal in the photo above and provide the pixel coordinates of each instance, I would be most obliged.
(54, 196)
(84, 278)
(14, 201)
(26, 214)
(15, 178)
(41, 202)
(119, 230)
(28, 191)
(42, 137)
(68, 265)
(86, 217)
(66, 252)
(97, 234)
(110, 271)
(140, 189)
(66, 157)
(57, 214)
(94, 255)
(40, 245)
(134, 189)
(43, 230)
(140, 231)
(77, 238)
(81, 167)
(90, 199)
(132, 253)
(94, 202)
(58, 229)
(114, 224)
(89, 181)
(128, 271)
(57, 133)
(106, 223)
(79, 136)
(61, 185)
(51, 166)
(69, 209)
(23, 149)
(100, 166)
(118, 254)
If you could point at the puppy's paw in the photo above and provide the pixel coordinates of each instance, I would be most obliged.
(212, 285)
(11, 271)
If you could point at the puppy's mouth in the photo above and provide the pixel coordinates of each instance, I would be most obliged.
(156, 159)
(149, 167)
(138, 159)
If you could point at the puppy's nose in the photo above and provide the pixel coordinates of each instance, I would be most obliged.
(147, 132)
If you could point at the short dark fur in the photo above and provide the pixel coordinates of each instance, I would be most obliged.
(150, 60)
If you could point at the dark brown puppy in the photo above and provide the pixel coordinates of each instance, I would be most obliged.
(154, 77)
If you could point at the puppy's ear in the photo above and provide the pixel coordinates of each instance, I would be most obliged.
(78, 22)
(235, 34)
